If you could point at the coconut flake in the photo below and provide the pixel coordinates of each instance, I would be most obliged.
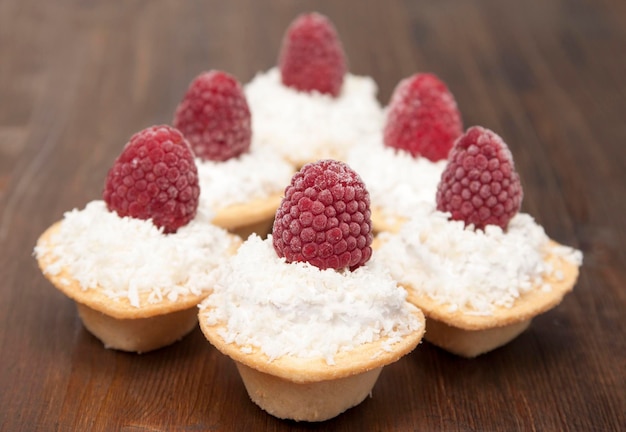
(397, 182)
(302, 125)
(474, 271)
(297, 309)
(255, 175)
(126, 257)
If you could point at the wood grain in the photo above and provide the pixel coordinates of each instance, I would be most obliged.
(78, 77)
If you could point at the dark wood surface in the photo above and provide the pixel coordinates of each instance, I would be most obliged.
(77, 78)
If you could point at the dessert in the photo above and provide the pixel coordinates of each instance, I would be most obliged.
(422, 118)
(241, 181)
(310, 107)
(139, 261)
(307, 318)
(478, 268)
(244, 193)
(402, 163)
(312, 57)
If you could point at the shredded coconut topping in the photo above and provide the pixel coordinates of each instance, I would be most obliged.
(473, 271)
(299, 310)
(125, 257)
(302, 126)
(397, 182)
(254, 175)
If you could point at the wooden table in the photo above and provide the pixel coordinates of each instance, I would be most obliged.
(77, 78)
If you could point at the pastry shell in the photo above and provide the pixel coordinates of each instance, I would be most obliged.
(469, 335)
(256, 216)
(117, 323)
(309, 389)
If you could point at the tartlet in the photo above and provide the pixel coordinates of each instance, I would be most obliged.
(469, 335)
(134, 321)
(306, 316)
(304, 389)
(310, 107)
(138, 261)
(310, 386)
(452, 323)
(478, 268)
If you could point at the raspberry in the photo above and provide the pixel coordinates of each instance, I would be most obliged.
(155, 177)
(423, 118)
(480, 185)
(311, 56)
(324, 218)
(214, 116)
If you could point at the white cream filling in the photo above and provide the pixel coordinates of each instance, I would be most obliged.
(255, 175)
(296, 309)
(126, 257)
(397, 182)
(304, 126)
(470, 270)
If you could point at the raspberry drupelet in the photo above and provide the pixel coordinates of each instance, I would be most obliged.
(480, 185)
(312, 57)
(423, 118)
(324, 218)
(214, 116)
(155, 177)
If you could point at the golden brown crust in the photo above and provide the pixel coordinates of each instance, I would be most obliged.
(305, 370)
(250, 213)
(471, 343)
(525, 307)
(96, 299)
(139, 334)
(316, 401)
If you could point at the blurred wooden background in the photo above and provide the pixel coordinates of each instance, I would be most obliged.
(78, 77)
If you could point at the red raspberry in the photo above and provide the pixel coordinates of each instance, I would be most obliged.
(311, 56)
(324, 218)
(214, 116)
(155, 177)
(480, 185)
(422, 118)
